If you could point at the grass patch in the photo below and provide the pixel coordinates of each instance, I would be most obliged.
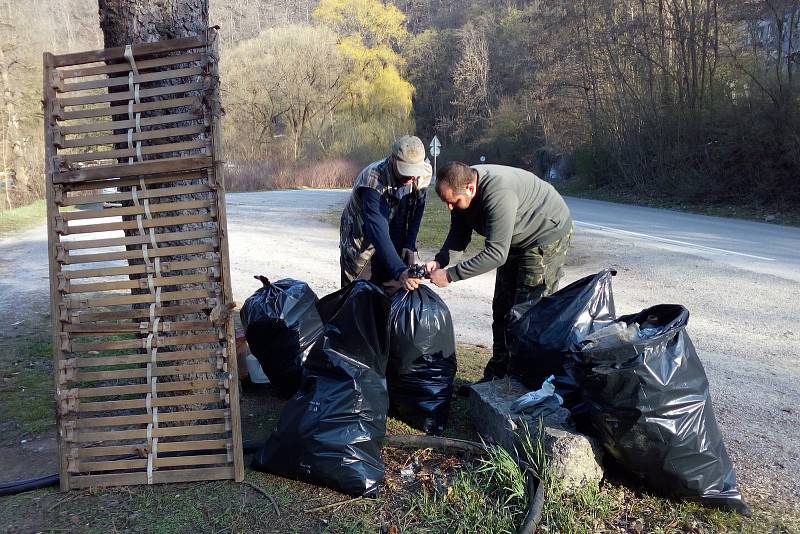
(579, 187)
(26, 393)
(457, 494)
(436, 224)
(17, 219)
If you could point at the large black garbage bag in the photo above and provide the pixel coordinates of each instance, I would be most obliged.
(541, 334)
(331, 431)
(281, 324)
(648, 400)
(422, 359)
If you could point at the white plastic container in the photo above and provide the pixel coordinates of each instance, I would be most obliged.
(257, 375)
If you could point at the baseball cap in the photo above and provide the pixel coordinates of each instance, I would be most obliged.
(409, 153)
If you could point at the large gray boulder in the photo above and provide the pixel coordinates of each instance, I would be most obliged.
(573, 458)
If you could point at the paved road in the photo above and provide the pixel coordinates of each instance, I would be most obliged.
(738, 279)
(756, 247)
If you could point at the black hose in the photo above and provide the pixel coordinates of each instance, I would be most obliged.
(535, 504)
(14, 487)
(20, 486)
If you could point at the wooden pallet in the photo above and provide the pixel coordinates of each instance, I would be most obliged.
(143, 341)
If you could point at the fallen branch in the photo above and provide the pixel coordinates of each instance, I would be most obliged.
(334, 505)
(432, 442)
(265, 494)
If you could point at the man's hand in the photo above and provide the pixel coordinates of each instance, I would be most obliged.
(410, 284)
(432, 266)
(409, 257)
(439, 277)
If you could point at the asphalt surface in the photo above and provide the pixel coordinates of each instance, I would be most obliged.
(740, 281)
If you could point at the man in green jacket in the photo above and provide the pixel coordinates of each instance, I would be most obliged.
(527, 226)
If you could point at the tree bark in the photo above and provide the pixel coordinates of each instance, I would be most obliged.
(134, 21)
(127, 21)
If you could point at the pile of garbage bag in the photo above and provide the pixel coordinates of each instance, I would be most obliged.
(640, 382)
(331, 431)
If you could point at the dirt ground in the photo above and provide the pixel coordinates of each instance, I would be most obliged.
(743, 322)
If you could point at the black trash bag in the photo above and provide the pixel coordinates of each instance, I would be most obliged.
(422, 360)
(281, 324)
(649, 402)
(542, 333)
(332, 430)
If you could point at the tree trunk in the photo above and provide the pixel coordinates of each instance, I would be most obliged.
(133, 21)
(128, 21)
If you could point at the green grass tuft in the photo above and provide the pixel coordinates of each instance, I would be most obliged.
(17, 219)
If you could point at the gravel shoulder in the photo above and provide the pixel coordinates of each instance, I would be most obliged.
(743, 323)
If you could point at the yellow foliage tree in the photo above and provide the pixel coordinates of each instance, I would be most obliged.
(370, 34)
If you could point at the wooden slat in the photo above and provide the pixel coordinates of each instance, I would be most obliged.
(181, 400)
(73, 259)
(104, 126)
(167, 431)
(156, 166)
(156, 222)
(138, 50)
(158, 281)
(138, 136)
(168, 461)
(167, 296)
(133, 327)
(161, 356)
(161, 207)
(141, 313)
(106, 111)
(218, 177)
(123, 80)
(126, 182)
(141, 194)
(133, 389)
(197, 445)
(125, 66)
(127, 152)
(161, 252)
(157, 341)
(166, 267)
(159, 477)
(48, 95)
(111, 465)
(163, 446)
(143, 419)
(200, 459)
(164, 237)
(129, 95)
(92, 376)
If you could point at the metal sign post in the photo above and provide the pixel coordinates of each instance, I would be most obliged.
(436, 148)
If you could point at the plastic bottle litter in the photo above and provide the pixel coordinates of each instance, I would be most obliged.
(541, 402)
(650, 327)
(613, 335)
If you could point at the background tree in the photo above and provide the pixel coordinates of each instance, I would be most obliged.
(371, 35)
(291, 82)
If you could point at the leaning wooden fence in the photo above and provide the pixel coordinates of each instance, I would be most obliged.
(145, 366)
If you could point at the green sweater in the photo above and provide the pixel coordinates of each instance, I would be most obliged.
(513, 209)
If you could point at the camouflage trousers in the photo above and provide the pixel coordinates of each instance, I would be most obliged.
(527, 275)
